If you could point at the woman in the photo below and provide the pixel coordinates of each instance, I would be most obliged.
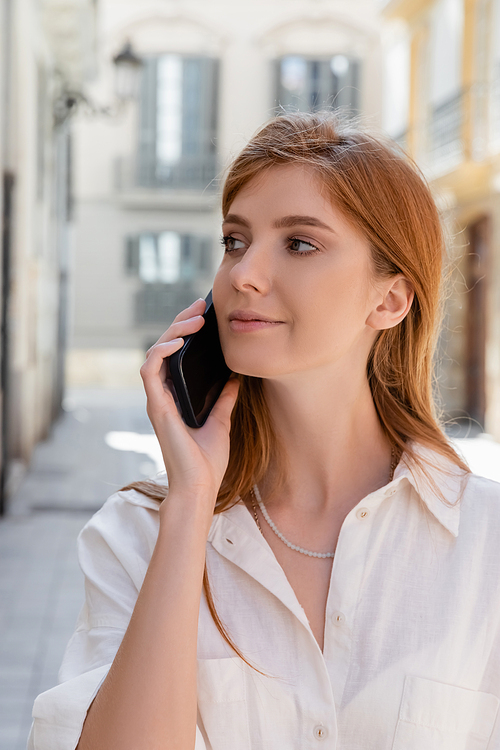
(351, 591)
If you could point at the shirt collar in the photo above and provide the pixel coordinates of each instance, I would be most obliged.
(440, 491)
(449, 481)
(446, 481)
(235, 535)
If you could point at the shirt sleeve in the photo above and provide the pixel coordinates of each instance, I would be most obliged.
(114, 550)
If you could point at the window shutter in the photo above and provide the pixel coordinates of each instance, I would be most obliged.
(205, 263)
(132, 256)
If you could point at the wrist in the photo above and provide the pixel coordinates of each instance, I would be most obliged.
(188, 507)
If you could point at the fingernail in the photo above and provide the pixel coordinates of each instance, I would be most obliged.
(195, 317)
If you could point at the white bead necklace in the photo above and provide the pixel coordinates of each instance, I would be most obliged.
(279, 534)
(295, 547)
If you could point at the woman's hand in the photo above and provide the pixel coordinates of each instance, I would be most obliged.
(195, 459)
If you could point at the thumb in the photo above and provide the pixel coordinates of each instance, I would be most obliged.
(226, 401)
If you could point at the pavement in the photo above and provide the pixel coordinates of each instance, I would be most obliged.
(102, 441)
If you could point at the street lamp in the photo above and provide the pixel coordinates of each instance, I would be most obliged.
(128, 68)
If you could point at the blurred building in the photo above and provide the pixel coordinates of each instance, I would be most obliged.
(147, 220)
(442, 102)
(47, 50)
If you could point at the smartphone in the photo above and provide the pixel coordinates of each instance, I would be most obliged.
(198, 370)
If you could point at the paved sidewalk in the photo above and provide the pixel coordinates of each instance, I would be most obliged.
(41, 586)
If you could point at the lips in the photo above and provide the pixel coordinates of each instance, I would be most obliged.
(250, 315)
(246, 321)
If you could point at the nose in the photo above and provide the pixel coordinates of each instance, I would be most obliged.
(252, 270)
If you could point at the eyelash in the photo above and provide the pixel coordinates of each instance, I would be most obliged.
(225, 240)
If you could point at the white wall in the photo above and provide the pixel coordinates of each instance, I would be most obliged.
(35, 153)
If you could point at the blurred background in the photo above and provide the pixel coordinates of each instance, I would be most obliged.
(117, 119)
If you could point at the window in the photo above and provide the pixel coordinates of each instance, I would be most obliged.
(446, 80)
(310, 84)
(178, 122)
(170, 266)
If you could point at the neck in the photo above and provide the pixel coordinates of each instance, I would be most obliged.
(334, 447)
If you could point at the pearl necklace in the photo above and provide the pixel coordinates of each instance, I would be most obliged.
(257, 497)
(256, 493)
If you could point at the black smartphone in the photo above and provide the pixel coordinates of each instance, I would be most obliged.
(198, 371)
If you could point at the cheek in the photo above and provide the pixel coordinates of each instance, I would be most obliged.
(220, 287)
(329, 311)
(337, 297)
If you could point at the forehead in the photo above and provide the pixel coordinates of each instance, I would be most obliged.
(281, 190)
(299, 177)
(291, 189)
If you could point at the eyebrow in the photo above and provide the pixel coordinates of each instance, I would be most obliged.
(285, 221)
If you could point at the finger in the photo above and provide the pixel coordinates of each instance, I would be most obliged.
(226, 401)
(193, 309)
(159, 352)
(181, 328)
(151, 370)
(178, 330)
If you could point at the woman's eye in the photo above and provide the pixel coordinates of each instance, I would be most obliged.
(231, 243)
(301, 247)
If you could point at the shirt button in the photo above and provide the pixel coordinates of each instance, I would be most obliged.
(391, 492)
(320, 732)
(338, 618)
(362, 513)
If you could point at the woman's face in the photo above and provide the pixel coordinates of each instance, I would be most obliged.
(295, 286)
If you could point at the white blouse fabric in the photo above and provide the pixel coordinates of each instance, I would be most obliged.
(411, 656)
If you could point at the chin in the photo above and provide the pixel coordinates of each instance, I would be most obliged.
(254, 367)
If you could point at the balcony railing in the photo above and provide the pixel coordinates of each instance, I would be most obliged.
(446, 130)
(189, 173)
(158, 304)
(465, 127)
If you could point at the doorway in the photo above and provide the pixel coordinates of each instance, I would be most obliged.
(476, 322)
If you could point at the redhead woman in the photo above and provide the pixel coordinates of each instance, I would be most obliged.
(323, 570)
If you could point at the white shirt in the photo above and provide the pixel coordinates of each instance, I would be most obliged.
(411, 655)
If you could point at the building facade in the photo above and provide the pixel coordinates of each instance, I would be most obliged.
(47, 50)
(442, 66)
(147, 233)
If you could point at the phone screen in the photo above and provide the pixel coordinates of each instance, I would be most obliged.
(198, 370)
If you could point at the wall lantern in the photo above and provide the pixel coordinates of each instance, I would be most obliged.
(128, 67)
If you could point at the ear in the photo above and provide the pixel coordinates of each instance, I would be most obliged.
(397, 297)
